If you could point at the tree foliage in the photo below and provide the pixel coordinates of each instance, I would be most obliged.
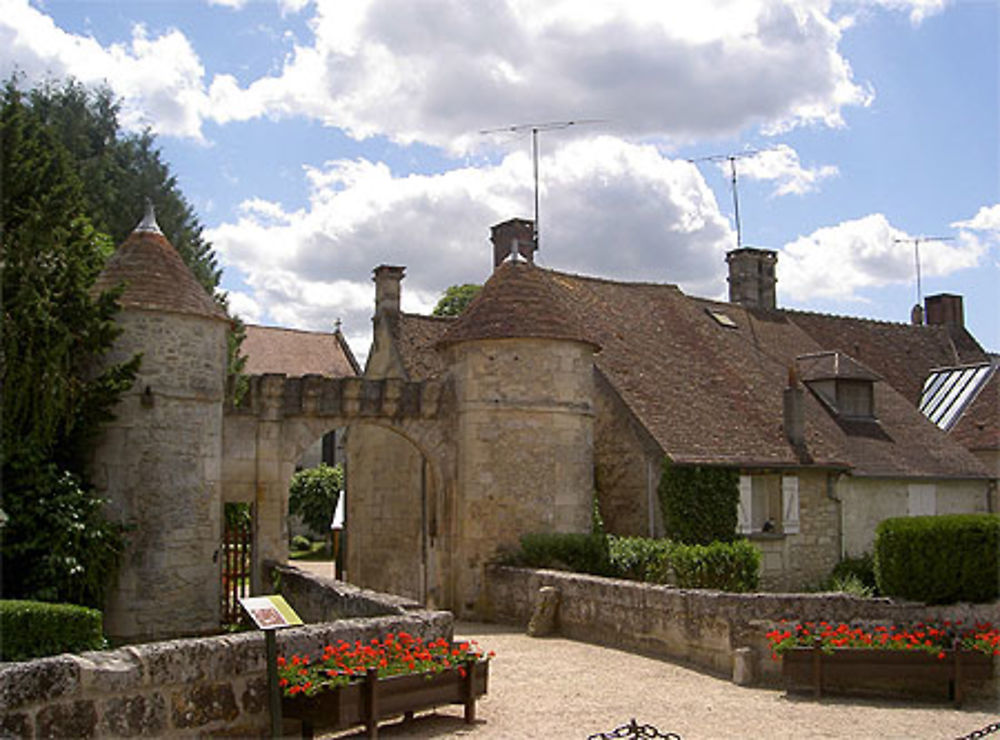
(313, 495)
(455, 299)
(699, 503)
(56, 544)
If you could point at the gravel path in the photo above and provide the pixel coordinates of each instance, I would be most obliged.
(558, 688)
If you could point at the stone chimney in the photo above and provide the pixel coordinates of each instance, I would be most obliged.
(387, 289)
(519, 231)
(945, 309)
(751, 277)
(793, 416)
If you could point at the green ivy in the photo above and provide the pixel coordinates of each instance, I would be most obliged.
(699, 503)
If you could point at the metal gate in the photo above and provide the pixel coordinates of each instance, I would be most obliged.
(237, 536)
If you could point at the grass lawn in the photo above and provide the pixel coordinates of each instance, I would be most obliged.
(316, 552)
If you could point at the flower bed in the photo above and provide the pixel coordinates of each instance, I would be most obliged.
(353, 684)
(922, 660)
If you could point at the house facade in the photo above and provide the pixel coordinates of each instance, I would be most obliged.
(566, 386)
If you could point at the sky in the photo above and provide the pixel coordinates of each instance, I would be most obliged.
(318, 139)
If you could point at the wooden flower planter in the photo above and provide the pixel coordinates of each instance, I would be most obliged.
(885, 673)
(372, 699)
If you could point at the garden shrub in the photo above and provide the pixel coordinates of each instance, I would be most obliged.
(580, 553)
(939, 559)
(699, 503)
(34, 629)
(726, 566)
(313, 495)
(301, 542)
(860, 569)
(639, 558)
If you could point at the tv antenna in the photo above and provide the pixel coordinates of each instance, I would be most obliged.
(731, 158)
(535, 129)
(915, 240)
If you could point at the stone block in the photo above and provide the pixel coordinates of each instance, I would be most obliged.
(114, 670)
(204, 703)
(15, 725)
(743, 666)
(22, 684)
(254, 696)
(76, 719)
(135, 716)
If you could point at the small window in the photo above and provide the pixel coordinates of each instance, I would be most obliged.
(722, 319)
(769, 504)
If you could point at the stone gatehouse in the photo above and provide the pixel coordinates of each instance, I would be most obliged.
(550, 389)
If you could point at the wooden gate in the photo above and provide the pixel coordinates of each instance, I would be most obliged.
(237, 536)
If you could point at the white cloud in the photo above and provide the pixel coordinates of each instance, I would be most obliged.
(244, 306)
(781, 164)
(986, 219)
(441, 70)
(839, 261)
(615, 209)
(919, 10)
(234, 4)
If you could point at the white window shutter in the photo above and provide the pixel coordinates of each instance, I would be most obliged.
(790, 504)
(744, 511)
(922, 499)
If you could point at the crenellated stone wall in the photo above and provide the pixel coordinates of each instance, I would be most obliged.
(193, 687)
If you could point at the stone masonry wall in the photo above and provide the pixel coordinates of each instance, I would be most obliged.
(384, 511)
(793, 562)
(181, 688)
(525, 448)
(159, 464)
(700, 627)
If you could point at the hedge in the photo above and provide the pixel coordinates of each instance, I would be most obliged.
(939, 559)
(34, 629)
(726, 566)
(640, 558)
(580, 553)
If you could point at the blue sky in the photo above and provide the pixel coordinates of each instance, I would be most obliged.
(317, 140)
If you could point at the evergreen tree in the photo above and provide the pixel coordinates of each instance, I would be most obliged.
(56, 543)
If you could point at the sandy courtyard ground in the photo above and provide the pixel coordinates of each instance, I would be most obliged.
(557, 688)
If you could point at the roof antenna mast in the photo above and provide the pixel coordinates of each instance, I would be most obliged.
(535, 129)
(915, 241)
(731, 158)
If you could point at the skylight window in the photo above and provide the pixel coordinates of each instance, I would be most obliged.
(722, 319)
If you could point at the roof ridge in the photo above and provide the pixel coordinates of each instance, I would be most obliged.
(607, 281)
(292, 328)
(865, 319)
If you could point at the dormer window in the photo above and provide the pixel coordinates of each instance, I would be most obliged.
(842, 383)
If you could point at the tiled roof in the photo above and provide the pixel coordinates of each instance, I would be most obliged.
(156, 278)
(709, 390)
(517, 301)
(294, 352)
(831, 364)
(903, 354)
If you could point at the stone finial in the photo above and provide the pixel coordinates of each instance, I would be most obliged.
(148, 223)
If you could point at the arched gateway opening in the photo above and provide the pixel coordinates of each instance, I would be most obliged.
(399, 473)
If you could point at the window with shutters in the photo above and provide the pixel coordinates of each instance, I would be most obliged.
(769, 504)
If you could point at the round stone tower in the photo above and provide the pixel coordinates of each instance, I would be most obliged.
(523, 377)
(159, 462)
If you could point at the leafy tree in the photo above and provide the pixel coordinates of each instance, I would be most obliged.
(455, 299)
(56, 543)
(313, 495)
(699, 503)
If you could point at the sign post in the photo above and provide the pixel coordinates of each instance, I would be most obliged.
(271, 613)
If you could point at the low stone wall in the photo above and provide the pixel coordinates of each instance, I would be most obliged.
(193, 687)
(719, 632)
(317, 598)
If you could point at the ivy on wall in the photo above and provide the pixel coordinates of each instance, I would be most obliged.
(699, 503)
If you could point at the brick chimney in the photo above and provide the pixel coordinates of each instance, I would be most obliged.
(944, 309)
(751, 277)
(504, 235)
(387, 289)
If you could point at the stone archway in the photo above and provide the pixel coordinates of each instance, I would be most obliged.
(263, 440)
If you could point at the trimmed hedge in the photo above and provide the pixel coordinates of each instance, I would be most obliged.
(939, 559)
(640, 558)
(726, 566)
(580, 553)
(699, 503)
(34, 629)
